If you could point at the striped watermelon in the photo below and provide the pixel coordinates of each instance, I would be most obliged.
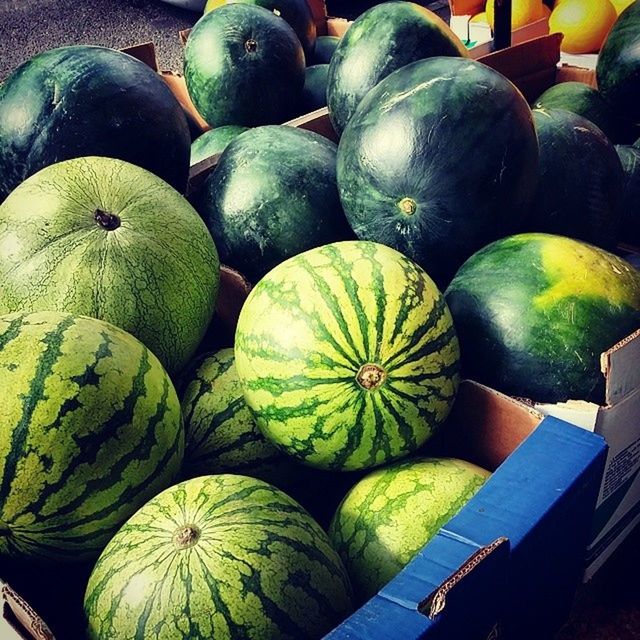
(91, 429)
(218, 557)
(221, 434)
(103, 238)
(393, 512)
(347, 355)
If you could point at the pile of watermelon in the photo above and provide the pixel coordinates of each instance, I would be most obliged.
(193, 482)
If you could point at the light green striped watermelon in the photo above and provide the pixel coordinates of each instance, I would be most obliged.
(347, 355)
(221, 434)
(389, 515)
(90, 429)
(221, 557)
(103, 238)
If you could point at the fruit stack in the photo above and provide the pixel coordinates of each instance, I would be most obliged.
(263, 486)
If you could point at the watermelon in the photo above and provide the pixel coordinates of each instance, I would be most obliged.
(586, 101)
(314, 92)
(347, 356)
(414, 174)
(243, 65)
(324, 49)
(384, 38)
(579, 181)
(272, 195)
(295, 12)
(618, 67)
(218, 557)
(89, 101)
(535, 311)
(91, 430)
(213, 142)
(221, 434)
(104, 238)
(630, 158)
(389, 515)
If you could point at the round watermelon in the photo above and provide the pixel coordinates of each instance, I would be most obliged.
(586, 101)
(221, 434)
(314, 92)
(243, 65)
(630, 207)
(91, 430)
(389, 515)
(618, 68)
(213, 142)
(580, 180)
(104, 238)
(384, 38)
(89, 101)
(440, 159)
(297, 13)
(272, 195)
(535, 311)
(218, 557)
(324, 49)
(347, 356)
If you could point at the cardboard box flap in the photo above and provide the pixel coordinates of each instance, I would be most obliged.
(485, 426)
(526, 58)
(466, 7)
(145, 52)
(621, 369)
(19, 617)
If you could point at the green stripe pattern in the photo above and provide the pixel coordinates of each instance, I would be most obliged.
(155, 275)
(347, 355)
(218, 557)
(389, 515)
(91, 429)
(221, 434)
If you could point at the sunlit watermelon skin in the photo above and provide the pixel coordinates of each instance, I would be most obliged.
(347, 356)
(91, 430)
(389, 515)
(405, 171)
(218, 558)
(535, 311)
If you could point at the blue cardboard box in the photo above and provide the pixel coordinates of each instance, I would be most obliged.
(507, 565)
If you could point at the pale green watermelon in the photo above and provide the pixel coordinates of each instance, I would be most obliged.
(104, 238)
(219, 557)
(90, 429)
(389, 515)
(347, 356)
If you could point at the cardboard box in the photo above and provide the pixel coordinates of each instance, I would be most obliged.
(507, 565)
(509, 562)
(618, 421)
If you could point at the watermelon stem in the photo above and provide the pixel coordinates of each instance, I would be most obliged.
(408, 206)
(186, 536)
(108, 221)
(251, 45)
(371, 376)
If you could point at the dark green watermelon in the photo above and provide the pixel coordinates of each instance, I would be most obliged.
(296, 12)
(243, 65)
(534, 311)
(325, 46)
(272, 195)
(440, 159)
(381, 40)
(630, 158)
(618, 68)
(89, 101)
(314, 92)
(213, 142)
(586, 101)
(579, 182)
